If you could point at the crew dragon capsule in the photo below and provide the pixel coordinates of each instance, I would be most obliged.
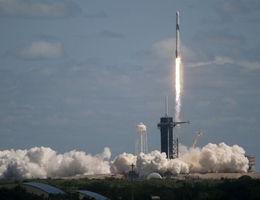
(178, 52)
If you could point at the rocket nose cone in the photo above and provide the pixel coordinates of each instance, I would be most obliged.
(177, 13)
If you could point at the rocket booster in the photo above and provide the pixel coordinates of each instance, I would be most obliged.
(178, 52)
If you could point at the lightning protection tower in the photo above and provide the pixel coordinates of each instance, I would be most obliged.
(141, 145)
(168, 144)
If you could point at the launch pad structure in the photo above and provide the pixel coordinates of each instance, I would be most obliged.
(169, 144)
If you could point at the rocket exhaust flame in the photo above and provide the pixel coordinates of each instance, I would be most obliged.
(177, 70)
(177, 88)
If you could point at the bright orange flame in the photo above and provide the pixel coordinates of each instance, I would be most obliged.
(177, 88)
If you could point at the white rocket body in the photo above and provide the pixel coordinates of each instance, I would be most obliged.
(178, 51)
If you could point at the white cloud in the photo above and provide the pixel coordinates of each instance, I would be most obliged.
(195, 57)
(231, 7)
(39, 50)
(165, 48)
(38, 9)
(221, 60)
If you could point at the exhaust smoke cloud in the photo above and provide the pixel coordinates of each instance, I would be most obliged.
(43, 162)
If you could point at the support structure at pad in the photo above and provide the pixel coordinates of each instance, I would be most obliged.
(169, 144)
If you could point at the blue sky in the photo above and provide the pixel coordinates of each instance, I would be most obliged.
(82, 74)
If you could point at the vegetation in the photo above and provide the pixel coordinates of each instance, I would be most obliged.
(243, 188)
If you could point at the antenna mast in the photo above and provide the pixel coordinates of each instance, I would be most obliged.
(166, 105)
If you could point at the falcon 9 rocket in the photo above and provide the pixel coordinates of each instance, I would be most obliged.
(178, 52)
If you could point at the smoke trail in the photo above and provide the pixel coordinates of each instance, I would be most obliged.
(177, 88)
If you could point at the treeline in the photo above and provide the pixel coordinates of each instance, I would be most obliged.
(243, 188)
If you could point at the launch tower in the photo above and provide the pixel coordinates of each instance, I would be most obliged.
(168, 144)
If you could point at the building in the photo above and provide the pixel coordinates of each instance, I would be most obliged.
(86, 193)
(40, 189)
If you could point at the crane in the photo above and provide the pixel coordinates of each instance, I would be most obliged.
(196, 139)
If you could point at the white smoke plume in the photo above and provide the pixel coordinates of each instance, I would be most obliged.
(211, 158)
(122, 163)
(149, 163)
(43, 162)
(157, 162)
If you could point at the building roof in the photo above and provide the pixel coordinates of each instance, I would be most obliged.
(92, 194)
(46, 188)
(154, 175)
